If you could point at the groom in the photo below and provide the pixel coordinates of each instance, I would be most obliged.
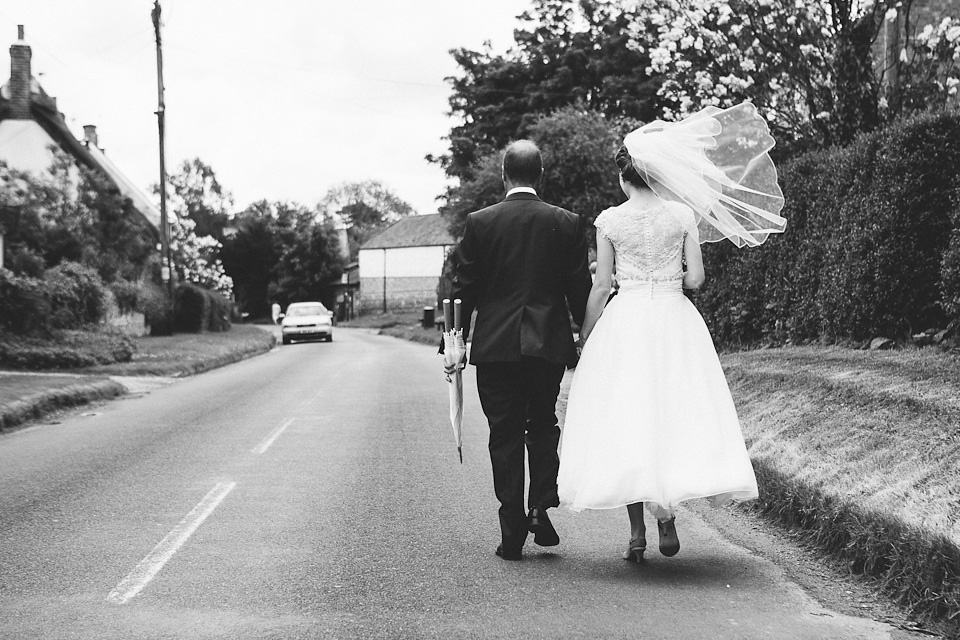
(521, 263)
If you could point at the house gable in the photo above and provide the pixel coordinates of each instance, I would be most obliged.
(30, 122)
(400, 267)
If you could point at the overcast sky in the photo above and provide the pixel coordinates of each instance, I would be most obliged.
(284, 99)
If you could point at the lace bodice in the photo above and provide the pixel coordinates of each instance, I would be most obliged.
(648, 242)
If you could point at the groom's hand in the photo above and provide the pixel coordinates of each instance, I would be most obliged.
(459, 365)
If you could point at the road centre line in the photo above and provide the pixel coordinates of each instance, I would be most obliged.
(154, 561)
(315, 396)
(265, 444)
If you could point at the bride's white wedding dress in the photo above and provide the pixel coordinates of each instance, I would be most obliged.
(649, 416)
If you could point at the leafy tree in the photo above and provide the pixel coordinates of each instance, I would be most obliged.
(281, 252)
(365, 207)
(119, 242)
(482, 189)
(309, 257)
(197, 194)
(578, 146)
(566, 52)
(73, 214)
(249, 256)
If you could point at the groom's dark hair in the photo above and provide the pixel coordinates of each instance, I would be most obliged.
(522, 163)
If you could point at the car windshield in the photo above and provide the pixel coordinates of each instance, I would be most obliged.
(307, 310)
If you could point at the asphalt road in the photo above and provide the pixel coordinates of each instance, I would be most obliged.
(315, 492)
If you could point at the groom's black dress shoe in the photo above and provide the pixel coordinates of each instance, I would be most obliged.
(509, 554)
(542, 529)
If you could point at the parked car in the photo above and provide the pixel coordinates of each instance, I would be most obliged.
(306, 321)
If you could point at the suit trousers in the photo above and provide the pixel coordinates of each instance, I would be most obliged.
(520, 400)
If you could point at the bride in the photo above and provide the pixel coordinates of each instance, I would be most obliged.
(650, 419)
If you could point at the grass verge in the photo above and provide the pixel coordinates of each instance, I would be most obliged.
(399, 324)
(24, 397)
(64, 350)
(189, 353)
(859, 453)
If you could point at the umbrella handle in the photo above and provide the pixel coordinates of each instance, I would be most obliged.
(447, 315)
(457, 314)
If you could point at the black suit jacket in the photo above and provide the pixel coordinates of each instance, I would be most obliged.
(521, 263)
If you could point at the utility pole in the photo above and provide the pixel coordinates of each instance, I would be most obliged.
(165, 263)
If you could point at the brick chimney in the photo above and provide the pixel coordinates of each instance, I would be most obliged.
(90, 135)
(20, 78)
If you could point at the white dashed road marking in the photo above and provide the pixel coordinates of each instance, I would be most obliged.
(265, 444)
(145, 571)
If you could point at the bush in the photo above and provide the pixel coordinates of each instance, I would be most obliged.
(152, 301)
(865, 252)
(197, 310)
(26, 262)
(69, 296)
(190, 310)
(219, 312)
(65, 350)
(24, 303)
(950, 276)
(127, 295)
(77, 296)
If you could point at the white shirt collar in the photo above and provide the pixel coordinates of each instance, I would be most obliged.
(521, 190)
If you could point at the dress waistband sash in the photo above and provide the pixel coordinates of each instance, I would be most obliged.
(652, 288)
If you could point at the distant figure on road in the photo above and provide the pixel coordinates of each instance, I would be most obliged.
(275, 312)
(650, 418)
(521, 263)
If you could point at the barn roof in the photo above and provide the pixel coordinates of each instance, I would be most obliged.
(413, 231)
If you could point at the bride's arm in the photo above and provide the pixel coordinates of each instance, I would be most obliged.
(694, 276)
(602, 282)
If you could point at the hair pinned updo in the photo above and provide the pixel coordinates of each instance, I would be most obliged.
(627, 169)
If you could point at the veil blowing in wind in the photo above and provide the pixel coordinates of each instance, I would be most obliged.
(716, 162)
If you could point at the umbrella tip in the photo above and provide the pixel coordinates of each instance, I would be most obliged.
(460, 451)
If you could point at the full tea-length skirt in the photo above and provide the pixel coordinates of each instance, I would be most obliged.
(649, 416)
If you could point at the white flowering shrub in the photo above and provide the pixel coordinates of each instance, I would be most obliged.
(808, 66)
(195, 258)
(722, 52)
(930, 66)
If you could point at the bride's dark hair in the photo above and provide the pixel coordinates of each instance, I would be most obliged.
(627, 169)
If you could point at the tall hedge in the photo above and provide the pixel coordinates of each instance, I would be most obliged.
(867, 251)
(197, 310)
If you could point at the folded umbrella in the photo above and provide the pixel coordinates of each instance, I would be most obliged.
(454, 354)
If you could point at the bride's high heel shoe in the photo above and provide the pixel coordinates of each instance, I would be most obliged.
(635, 549)
(669, 542)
